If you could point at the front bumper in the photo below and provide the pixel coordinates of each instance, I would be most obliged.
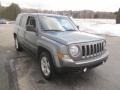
(88, 63)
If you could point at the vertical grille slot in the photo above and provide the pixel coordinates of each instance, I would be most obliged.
(95, 48)
(98, 48)
(91, 46)
(88, 50)
(83, 50)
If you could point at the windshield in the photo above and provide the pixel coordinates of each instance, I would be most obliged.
(55, 23)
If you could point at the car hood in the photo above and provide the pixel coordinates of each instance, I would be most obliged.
(69, 37)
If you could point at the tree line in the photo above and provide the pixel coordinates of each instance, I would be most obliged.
(76, 14)
(118, 17)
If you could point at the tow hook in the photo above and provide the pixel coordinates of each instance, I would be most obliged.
(103, 62)
(85, 69)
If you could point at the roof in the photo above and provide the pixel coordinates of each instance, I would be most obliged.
(42, 14)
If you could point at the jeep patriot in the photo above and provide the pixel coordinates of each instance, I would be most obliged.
(58, 44)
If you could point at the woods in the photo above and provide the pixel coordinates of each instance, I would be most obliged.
(118, 17)
(10, 12)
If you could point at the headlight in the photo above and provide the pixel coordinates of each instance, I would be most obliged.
(74, 51)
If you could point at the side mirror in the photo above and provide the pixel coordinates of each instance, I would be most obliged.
(78, 27)
(30, 28)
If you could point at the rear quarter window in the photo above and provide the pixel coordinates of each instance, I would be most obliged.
(18, 19)
(21, 21)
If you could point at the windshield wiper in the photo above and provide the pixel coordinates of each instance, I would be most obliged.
(54, 30)
(70, 30)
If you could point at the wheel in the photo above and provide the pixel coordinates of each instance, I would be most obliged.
(46, 65)
(17, 45)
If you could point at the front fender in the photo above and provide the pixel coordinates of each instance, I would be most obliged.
(52, 46)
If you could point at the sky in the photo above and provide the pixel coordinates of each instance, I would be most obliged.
(96, 5)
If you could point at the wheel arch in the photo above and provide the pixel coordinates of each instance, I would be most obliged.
(43, 49)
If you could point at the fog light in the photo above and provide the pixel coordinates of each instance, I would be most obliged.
(61, 56)
(67, 58)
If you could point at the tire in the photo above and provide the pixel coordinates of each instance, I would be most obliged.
(17, 45)
(46, 65)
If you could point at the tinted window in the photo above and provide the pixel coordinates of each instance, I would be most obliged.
(31, 21)
(23, 21)
(20, 20)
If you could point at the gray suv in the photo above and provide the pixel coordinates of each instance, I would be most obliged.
(57, 43)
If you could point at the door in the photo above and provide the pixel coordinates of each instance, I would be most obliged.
(31, 34)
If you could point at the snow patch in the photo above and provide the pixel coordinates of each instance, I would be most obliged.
(99, 26)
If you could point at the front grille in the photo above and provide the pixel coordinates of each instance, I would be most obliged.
(92, 49)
